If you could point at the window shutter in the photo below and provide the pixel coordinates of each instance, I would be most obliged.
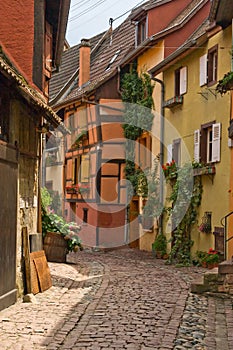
(197, 145)
(85, 167)
(169, 153)
(216, 142)
(203, 70)
(183, 80)
(176, 151)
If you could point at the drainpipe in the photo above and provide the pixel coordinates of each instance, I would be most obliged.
(161, 155)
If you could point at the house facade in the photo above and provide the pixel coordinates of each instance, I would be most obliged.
(86, 91)
(160, 39)
(200, 134)
(74, 90)
(222, 14)
(23, 110)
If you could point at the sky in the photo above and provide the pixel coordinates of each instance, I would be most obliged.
(90, 17)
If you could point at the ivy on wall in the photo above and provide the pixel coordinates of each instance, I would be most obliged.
(185, 197)
(137, 95)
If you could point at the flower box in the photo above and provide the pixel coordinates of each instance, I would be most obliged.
(207, 170)
(70, 190)
(174, 101)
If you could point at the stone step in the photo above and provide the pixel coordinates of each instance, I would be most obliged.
(206, 283)
(211, 276)
(226, 267)
(198, 285)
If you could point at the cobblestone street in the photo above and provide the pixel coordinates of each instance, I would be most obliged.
(122, 299)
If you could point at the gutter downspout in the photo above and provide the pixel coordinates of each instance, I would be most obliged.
(161, 155)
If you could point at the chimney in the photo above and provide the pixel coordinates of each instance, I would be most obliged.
(84, 61)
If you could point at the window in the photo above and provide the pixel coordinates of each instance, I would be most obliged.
(85, 214)
(143, 153)
(81, 169)
(81, 121)
(174, 151)
(141, 31)
(207, 143)
(180, 81)
(208, 67)
(212, 65)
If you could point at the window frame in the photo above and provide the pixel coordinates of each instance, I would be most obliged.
(141, 33)
(212, 65)
(207, 150)
(174, 152)
(180, 83)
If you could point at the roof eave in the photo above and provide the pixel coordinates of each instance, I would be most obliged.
(61, 30)
(221, 12)
(183, 50)
(32, 96)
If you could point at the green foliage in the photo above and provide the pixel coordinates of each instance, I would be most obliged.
(189, 203)
(52, 222)
(151, 189)
(51, 199)
(200, 256)
(160, 244)
(225, 84)
(212, 259)
(137, 95)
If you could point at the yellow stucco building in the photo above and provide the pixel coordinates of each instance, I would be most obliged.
(196, 127)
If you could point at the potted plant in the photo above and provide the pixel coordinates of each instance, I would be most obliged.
(211, 259)
(159, 246)
(170, 170)
(59, 236)
(201, 258)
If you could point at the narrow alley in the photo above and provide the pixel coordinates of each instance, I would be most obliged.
(121, 299)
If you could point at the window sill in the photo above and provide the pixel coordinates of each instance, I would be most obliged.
(174, 101)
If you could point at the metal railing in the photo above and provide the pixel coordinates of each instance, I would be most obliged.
(225, 225)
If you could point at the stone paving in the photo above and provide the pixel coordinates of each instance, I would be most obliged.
(122, 299)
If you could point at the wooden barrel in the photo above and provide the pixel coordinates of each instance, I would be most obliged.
(55, 247)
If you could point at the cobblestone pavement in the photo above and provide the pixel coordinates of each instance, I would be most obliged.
(122, 299)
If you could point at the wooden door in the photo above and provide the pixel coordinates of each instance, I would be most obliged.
(8, 215)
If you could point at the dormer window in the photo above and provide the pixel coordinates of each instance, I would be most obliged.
(141, 31)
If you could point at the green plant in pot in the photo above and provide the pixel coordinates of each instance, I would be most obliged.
(212, 258)
(159, 246)
(51, 222)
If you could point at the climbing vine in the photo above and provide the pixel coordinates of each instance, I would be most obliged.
(185, 197)
(137, 95)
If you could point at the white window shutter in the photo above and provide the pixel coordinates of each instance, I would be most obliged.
(216, 129)
(203, 70)
(197, 145)
(183, 80)
(169, 153)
